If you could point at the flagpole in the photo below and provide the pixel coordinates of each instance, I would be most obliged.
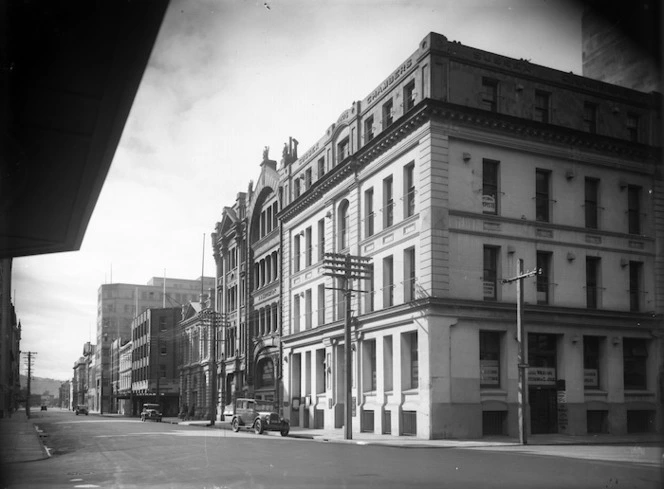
(202, 270)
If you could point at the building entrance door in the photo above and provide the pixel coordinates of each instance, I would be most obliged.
(543, 410)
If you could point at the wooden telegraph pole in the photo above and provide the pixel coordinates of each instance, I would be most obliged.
(521, 360)
(347, 267)
(29, 362)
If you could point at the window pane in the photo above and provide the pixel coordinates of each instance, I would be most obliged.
(490, 187)
(591, 196)
(542, 197)
(490, 358)
(635, 356)
(490, 272)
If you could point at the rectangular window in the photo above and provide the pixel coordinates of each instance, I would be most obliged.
(544, 278)
(592, 282)
(388, 281)
(369, 289)
(308, 311)
(368, 129)
(410, 361)
(409, 274)
(388, 367)
(321, 167)
(321, 239)
(490, 358)
(308, 247)
(296, 187)
(409, 189)
(590, 117)
(489, 94)
(591, 198)
(633, 127)
(490, 273)
(296, 313)
(341, 300)
(591, 362)
(343, 150)
(296, 253)
(409, 96)
(541, 112)
(635, 356)
(368, 212)
(387, 114)
(542, 195)
(321, 304)
(307, 178)
(162, 324)
(369, 370)
(490, 186)
(635, 287)
(634, 209)
(388, 203)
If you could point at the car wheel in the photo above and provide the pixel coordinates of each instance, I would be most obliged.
(86, 414)
(258, 427)
(76, 414)
(235, 425)
(284, 430)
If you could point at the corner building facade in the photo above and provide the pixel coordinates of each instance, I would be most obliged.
(457, 166)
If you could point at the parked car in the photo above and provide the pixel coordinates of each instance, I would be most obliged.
(80, 409)
(257, 415)
(151, 411)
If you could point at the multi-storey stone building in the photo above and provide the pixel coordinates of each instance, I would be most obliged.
(124, 394)
(248, 257)
(199, 358)
(154, 376)
(458, 165)
(117, 306)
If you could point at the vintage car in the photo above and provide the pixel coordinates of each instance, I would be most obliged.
(151, 411)
(81, 409)
(257, 415)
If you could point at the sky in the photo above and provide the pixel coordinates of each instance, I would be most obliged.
(227, 78)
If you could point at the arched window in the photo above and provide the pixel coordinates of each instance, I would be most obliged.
(265, 369)
(343, 225)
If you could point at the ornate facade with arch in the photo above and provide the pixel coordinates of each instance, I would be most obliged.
(248, 258)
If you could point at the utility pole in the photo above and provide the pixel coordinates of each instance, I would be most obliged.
(29, 362)
(347, 267)
(211, 317)
(521, 360)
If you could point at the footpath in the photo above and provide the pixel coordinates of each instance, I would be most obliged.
(22, 441)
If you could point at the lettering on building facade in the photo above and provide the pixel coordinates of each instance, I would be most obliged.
(389, 81)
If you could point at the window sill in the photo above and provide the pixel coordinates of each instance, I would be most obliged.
(639, 392)
(492, 391)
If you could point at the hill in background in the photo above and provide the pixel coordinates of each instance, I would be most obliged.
(40, 385)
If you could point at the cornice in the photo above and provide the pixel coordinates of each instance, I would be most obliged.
(537, 131)
(434, 110)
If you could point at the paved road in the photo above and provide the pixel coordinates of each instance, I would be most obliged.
(93, 451)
